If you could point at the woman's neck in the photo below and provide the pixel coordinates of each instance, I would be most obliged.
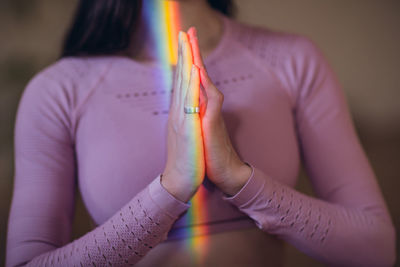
(195, 13)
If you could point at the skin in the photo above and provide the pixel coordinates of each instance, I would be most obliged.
(203, 134)
(223, 165)
(184, 172)
(206, 135)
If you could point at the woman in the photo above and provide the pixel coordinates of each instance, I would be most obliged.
(96, 115)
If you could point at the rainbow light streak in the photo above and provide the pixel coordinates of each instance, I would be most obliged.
(164, 23)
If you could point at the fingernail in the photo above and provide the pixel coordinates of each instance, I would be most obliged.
(193, 31)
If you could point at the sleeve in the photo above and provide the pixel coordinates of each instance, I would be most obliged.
(348, 223)
(41, 214)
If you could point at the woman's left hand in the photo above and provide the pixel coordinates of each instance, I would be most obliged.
(223, 166)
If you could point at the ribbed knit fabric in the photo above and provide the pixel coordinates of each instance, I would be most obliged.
(100, 123)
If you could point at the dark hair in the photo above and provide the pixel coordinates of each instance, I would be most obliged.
(103, 27)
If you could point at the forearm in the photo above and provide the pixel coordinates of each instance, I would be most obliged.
(123, 239)
(328, 232)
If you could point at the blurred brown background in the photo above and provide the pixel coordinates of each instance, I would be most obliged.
(361, 40)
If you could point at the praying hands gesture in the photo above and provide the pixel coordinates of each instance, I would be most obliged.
(198, 142)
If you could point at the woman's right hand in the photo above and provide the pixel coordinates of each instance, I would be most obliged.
(185, 167)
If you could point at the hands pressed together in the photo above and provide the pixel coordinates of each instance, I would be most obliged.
(198, 143)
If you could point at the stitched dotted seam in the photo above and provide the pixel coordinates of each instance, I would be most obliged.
(122, 240)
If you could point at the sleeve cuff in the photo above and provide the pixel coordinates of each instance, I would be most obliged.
(165, 201)
(249, 191)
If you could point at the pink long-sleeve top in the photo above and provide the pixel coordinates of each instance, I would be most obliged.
(100, 123)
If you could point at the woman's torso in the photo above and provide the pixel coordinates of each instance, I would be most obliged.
(239, 248)
(120, 141)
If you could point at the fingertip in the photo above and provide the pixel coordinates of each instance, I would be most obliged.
(192, 32)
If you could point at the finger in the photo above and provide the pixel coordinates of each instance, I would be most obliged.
(194, 42)
(209, 87)
(198, 60)
(178, 76)
(203, 101)
(187, 60)
(215, 98)
(193, 92)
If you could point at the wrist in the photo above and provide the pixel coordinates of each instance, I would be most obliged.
(238, 178)
(177, 190)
